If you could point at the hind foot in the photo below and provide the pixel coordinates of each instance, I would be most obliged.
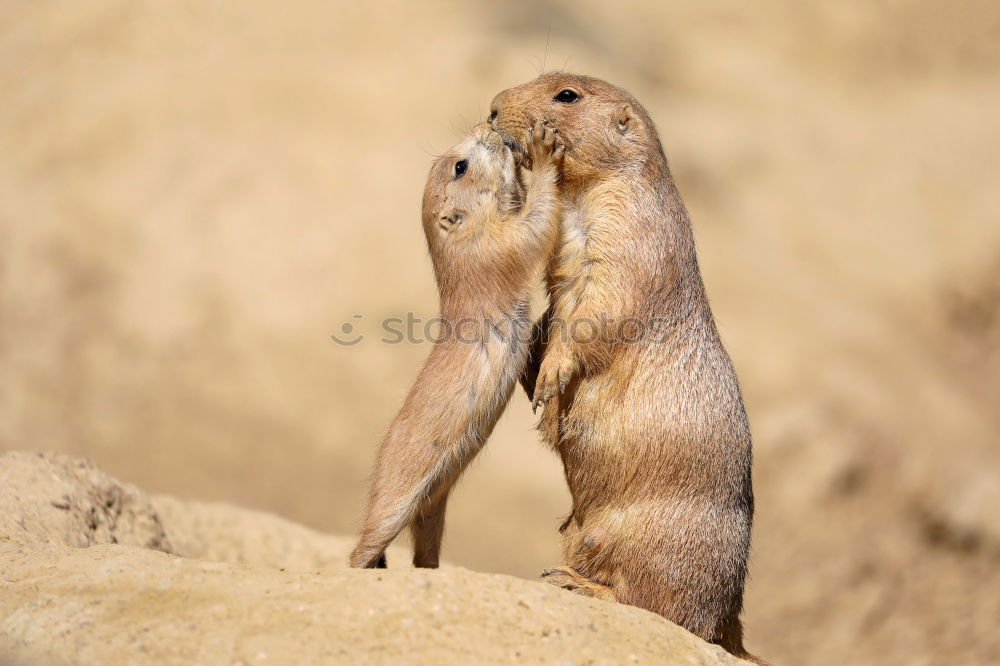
(365, 557)
(574, 581)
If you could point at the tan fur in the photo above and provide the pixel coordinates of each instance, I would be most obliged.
(652, 433)
(487, 250)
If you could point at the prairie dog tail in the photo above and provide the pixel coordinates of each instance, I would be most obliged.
(731, 640)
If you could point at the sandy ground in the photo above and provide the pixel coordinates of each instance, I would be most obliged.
(96, 572)
(194, 196)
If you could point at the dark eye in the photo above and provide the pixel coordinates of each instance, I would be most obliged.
(566, 96)
(460, 167)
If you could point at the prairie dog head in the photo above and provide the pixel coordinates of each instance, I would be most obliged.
(472, 192)
(469, 188)
(605, 130)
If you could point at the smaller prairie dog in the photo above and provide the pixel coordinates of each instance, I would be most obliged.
(487, 248)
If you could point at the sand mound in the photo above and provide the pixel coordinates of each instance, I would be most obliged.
(95, 572)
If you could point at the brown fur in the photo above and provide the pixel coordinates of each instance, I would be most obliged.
(652, 433)
(487, 250)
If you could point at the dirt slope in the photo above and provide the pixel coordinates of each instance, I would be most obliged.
(86, 591)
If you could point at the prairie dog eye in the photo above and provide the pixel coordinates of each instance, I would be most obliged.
(566, 96)
(460, 168)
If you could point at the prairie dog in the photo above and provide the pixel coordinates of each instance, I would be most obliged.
(487, 248)
(646, 414)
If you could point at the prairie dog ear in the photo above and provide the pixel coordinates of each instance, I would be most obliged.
(624, 118)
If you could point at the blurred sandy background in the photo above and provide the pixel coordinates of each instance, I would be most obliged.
(195, 195)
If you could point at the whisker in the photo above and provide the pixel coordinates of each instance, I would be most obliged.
(548, 34)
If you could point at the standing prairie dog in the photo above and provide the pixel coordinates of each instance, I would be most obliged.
(487, 249)
(641, 399)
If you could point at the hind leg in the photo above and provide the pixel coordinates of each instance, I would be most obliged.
(574, 581)
(428, 528)
(399, 494)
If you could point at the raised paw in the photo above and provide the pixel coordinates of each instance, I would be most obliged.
(557, 369)
(544, 146)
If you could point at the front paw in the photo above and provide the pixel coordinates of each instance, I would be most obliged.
(544, 146)
(555, 373)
